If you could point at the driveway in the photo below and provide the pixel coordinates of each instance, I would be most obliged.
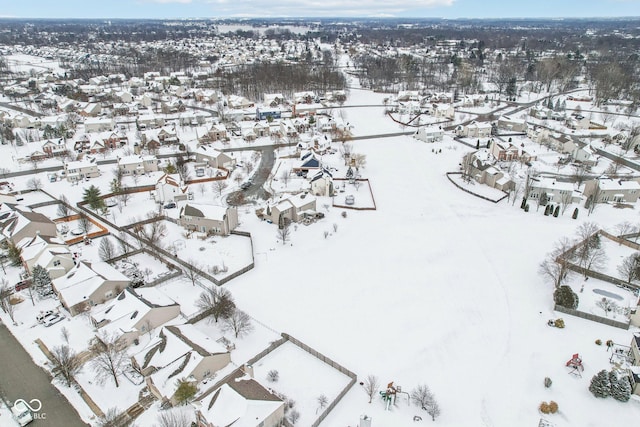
(21, 378)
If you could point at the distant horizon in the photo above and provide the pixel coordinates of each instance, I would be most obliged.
(328, 9)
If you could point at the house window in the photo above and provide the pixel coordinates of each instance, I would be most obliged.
(108, 294)
(56, 263)
(207, 373)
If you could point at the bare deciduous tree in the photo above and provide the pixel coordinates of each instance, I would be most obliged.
(218, 301)
(285, 176)
(421, 395)
(63, 207)
(629, 267)
(284, 233)
(322, 402)
(5, 298)
(66, 363)
(106, 249)
(34, 184)
(371, 385)
(155, 230)
(110, 418)
(176, 417)
(219, 186)
(553, 270)
(192, 270)
(109, 358)
(84, 223)
(238, 322)
(624, 228)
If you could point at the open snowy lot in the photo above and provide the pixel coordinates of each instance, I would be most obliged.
(435, 287)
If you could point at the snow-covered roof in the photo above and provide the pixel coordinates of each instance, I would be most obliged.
(612, 184)
(84, 279)
(215, 212)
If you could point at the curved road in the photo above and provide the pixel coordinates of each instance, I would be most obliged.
(22, 379)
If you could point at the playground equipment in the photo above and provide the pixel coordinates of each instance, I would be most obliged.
(390, 394)
(575, 365)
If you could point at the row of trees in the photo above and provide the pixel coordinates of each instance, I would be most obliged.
(422, 396)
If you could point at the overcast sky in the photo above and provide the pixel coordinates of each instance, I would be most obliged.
(317, 8)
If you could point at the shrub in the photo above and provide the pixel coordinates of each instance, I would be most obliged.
(553, 407)
(559, 323)
(273, 376)
(547, 382)
(544, 408)
(598, 341)
(526, 207)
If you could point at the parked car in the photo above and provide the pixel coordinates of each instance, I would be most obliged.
(21, 413)
(245, 185)
(40, 317)
(24, 284)
(170, 205)
(52, 319)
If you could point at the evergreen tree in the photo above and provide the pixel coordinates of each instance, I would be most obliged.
(544, 199)
(565, 297)
(600, 384)
(620, 387)
(185, 391)
(556, 211)
(478, 145)
(575, 214)
(42, 280)
(91, 195)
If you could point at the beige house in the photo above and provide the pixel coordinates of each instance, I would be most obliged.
(48, 252)
(612, 190)
(480, 165)
(635, 368)
(178, 352)
(88, 284)
(293, 208)
(556, 191)
(99, 124)
(511, 124)
(321, 183)
(241, 401)
(474, 130)
(81, 169)
(19, 222)
(214, 158)
(212, 219)
(442, 111)
(134, 312)
(137, 164)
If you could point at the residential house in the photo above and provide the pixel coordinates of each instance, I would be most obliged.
(210, 219)
(635, 361)
(19, 222)
(49, 252)
(308, 161)
(92, 109)
(506, 151)
(321, 183)
(54, 147)
(481, 166)
(511, 124)
(585, 155)
(288, 129)
(429, 134)
(241, 401)
(442, 111)
(578, 122)
(134, 312)
(306, 97)
(137, 164)
(320, 144)
(408, 95)
(80, 169)
(178, 352)
(562, 143)
(214, 158)
(169, 188)
(605, 190)
(557, 192)
(218, 132)
(99, 124)
(273, 99)
(88, 284)
(474, 130)
(293, 208)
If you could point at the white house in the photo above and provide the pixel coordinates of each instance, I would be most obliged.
(99, 124)
(214, 158)
(169, 188)
(612, 190)
(321, 183)
(429, 134)
(137, 164)
(51, 253)
(556, 191)
(474, 130)
(81, 169)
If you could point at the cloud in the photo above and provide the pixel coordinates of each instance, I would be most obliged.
(312, 8)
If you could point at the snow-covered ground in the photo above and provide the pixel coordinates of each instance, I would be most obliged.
(434, 287)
